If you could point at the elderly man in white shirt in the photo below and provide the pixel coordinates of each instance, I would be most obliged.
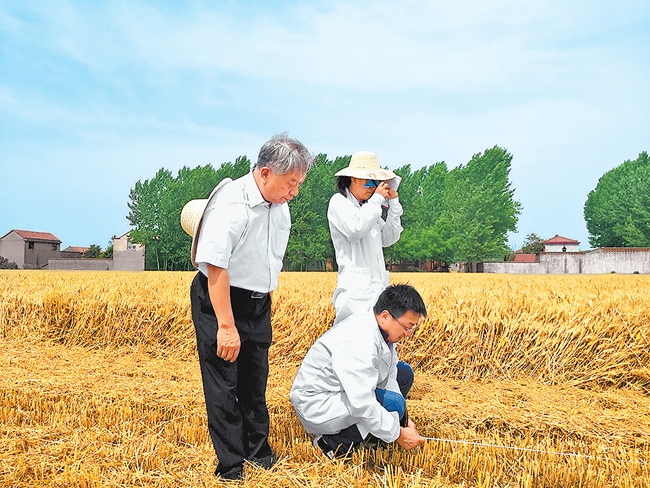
(345, 392)
(238, 244)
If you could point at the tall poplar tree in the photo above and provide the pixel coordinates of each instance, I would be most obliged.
(617, 211)
(155, 207)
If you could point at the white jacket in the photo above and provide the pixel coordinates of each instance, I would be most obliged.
(359, 235)
(335, 385)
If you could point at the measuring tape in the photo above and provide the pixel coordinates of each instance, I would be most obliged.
(539, 451)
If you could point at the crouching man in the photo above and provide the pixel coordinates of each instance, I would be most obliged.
(346, 391)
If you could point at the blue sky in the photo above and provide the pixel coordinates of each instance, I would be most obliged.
(95, 96)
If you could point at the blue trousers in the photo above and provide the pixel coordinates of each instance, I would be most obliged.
(405, 377)
(394, 402)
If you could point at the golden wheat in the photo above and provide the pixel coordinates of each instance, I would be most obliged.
(101, 386)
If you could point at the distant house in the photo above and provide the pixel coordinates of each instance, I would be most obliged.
(525, 258)
(127, 255)
(42, 250)
(73, 252)
(561, 244)
(29, 249)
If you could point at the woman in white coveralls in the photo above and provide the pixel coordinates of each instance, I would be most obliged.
(359, 234)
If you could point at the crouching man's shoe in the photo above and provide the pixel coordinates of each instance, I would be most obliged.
(372, 442)
(319, 443)
(339, 452)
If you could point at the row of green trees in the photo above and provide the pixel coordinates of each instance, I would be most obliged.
(462, 214)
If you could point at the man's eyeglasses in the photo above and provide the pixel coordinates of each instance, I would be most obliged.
(371, 184)
(407, 330)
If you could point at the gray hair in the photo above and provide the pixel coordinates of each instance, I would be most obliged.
(283, 154)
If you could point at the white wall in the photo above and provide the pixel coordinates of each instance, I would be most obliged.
(100, 264)
(562, 248)
(591, 262)
(510, 267)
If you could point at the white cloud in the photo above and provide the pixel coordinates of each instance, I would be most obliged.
(384, 47)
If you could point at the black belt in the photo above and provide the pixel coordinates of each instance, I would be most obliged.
(243, 292)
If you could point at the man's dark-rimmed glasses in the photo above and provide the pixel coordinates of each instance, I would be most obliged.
(408, 330)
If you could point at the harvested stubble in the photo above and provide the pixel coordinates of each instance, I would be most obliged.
(101, 385)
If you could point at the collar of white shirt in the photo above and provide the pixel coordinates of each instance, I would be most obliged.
(253, 192)
(354, 199)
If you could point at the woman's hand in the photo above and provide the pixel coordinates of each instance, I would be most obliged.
(385, 191)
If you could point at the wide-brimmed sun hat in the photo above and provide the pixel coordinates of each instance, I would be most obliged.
(365, 165)
(192, 216)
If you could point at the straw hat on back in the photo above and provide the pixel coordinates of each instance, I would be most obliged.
(365, 165)
(192, 216)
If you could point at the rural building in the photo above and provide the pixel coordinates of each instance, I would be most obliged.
(429, 265)
(525, 258)
(561, 244)
(73, 252)
(562, 255)
(127, 255)
(42, 250)
(81, 264)
(29, 249)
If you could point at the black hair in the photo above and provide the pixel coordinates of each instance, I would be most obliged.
(399, 299)
(342, 184)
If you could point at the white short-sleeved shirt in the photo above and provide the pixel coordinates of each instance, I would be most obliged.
(245, 234)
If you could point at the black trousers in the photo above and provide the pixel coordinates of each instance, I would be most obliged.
(235, 393)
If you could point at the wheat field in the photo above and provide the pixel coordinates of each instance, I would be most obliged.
(521, 381)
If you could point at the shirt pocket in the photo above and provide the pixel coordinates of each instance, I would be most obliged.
(279, 241)
(279, 228)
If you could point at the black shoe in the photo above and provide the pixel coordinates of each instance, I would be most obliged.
(319, 443)
(333, 453)
(372, 442)
(233, 474)
(266, 463)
